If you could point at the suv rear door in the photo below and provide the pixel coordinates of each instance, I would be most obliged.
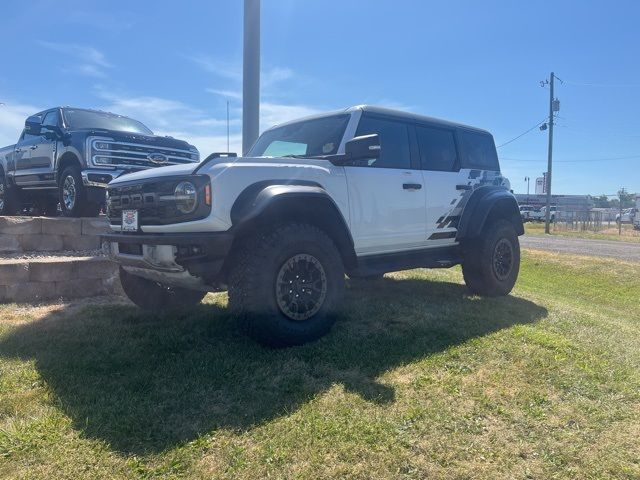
(454, 162)
(386, 195)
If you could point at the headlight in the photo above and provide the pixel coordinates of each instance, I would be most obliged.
(186, 197)
(194, 152)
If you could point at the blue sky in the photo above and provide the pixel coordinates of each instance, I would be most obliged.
(174, 65)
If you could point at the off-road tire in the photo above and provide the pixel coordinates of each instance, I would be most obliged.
(155, 297)
(81, 207)
(10, 203)
(485, 268)
(258, 277)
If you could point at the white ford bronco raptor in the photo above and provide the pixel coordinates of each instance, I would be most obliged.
(362, 192)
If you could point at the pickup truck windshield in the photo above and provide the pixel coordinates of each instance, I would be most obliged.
(76, 119)
(320, 136)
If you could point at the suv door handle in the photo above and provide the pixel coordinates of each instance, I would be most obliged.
(33, 147)
(412, 186)
(463, 187)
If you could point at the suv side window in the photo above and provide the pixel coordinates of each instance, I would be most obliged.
(394, 142)
(478, 151)
(437, 148)
(51, 118)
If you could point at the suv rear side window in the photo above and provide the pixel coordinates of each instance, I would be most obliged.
(437, 149)
(394, 142)
(478, 151)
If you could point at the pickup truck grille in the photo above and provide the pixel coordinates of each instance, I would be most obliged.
(145, 197)
(139, 155)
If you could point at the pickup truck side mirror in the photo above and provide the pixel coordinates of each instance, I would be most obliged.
(361, 148)
(33, 125)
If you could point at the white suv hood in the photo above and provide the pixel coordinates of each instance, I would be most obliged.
(172, 170)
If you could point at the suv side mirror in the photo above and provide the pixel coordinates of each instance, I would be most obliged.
(33, 125)
(364, 147)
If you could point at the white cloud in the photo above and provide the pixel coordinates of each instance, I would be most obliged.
(12, 117)
(177, 119)
(90, 61)
(275, 113)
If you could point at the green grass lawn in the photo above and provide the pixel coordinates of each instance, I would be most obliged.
(607, 233)
(417, 380)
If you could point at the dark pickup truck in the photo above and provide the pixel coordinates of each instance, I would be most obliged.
(68, 156)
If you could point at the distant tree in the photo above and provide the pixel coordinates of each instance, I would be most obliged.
(628, 200)
(601, 202)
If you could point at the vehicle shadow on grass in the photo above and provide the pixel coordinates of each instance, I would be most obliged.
(143, 383)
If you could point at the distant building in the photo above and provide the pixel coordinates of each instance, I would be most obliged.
(568, 203)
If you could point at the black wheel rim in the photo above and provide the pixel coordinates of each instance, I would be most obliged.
(502, 258)
(301, 287)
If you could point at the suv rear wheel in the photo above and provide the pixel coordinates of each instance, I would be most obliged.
(156, 297)
(9, 202)
(286, 283)
(492, 261)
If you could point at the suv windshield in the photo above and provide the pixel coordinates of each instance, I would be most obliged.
(320, 136)
(76, 119)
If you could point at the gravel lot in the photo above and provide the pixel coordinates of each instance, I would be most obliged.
(579, 246)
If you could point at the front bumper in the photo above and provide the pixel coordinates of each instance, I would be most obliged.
(99, 177)
(192, 260)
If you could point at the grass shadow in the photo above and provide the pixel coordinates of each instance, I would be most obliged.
(144, 383)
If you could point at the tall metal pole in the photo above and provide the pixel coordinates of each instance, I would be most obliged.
(547, 215)
(251, 75)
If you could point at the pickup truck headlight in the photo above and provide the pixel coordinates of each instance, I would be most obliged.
(186, 197)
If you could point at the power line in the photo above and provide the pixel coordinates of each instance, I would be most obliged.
(603, 85)
(610, 159)
(522, 134)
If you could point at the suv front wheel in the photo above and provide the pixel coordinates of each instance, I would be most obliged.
(492, 261)
(285, 283)
(72, 195)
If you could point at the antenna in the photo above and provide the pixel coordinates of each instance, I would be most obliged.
(227, 125)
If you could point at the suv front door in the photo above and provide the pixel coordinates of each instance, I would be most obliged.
(386, 195)
(44, 150)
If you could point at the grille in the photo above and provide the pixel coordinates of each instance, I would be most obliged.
(136, 154)
(145, 197)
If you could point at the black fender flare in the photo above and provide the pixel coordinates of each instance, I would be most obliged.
(483, 201)
(302, 201)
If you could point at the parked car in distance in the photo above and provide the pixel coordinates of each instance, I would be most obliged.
(361, 191)
(530, 213)
(68, 156)
(628, 215)
(553, 213)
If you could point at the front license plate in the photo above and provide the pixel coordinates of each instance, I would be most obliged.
(130, 220)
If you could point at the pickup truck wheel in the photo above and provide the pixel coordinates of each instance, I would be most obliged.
(492, 261)
(9, 201)
(155, 297)
(285, 285)
(73, 195)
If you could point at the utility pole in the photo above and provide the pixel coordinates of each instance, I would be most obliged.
(526, 179)
(251, 75)
(621, 195)
(228, 126)
(547, 215)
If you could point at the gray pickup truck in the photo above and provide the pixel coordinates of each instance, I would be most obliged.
(68, 155)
